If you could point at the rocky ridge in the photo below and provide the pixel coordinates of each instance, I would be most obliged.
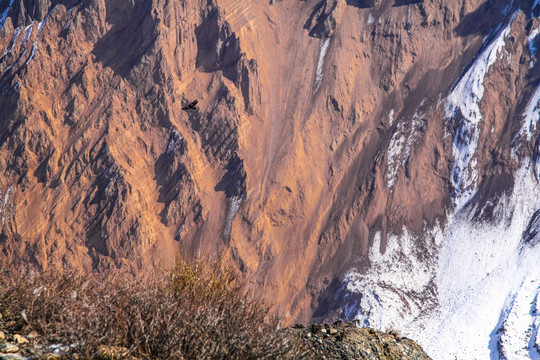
(347, 341)
(337, 341)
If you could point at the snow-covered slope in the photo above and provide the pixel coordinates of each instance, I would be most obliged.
(472, 290)
(472, 293)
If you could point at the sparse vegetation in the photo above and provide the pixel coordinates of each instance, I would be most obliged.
(193, 311)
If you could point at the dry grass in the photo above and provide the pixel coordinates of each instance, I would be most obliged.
(195, 311)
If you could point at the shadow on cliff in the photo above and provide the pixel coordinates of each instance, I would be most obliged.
(131, 36)
(483, 20)
(361, 4)
(367, 4)
(399, 3)
(233, 182)
(170, 173)
(218, 48)
(326, 301)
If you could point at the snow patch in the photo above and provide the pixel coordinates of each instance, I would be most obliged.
(395, 148)
(5, 204)
(408, 26)
(463, 104)
(232, 210)
(12, 42)
(391, 116)
(174, 141)
(531, 116)
(15, 87)
(320, 65)
(32, 54)
(370, 19)
(66, 25)
(404, 137)
(27, 32)
(533, 46)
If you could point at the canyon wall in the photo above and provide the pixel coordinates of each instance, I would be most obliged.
(353, 159)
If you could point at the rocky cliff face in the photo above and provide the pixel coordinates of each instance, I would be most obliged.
(372, 160)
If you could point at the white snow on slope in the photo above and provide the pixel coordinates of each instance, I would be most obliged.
(482, 267)
(4, 206)
(27, 32)
(531, 116)
(41, 25)
(391, 116)
(395, 149)
(533, 47)
(33, 53)
(174, 141)
(463, 106)
(476, 303)
(12, 42)
(475, 292)
(518, 333)
(396, 290)
(320, 65)
(234, 206)
(403, 139)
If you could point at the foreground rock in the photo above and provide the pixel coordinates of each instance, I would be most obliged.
(337, 341)
(346, 341)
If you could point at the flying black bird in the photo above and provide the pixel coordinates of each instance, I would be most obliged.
(191, 106)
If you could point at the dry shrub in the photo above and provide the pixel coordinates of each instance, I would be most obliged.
(195, 311)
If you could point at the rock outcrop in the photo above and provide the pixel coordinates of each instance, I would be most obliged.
(345, 341)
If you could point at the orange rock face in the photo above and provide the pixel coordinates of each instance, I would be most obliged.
(318, 124)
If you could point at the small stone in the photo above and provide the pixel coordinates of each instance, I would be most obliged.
(323, 331)
(8, 348)
(333, 331)
(2, 335)
(11, 357)
(20, 339)
(308, 335)
(32, 335)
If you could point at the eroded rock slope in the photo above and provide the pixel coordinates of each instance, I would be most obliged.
(347, 156)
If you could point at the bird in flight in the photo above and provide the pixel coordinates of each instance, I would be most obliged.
(192, 106)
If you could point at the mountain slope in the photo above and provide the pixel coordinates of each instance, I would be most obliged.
(373, 160)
